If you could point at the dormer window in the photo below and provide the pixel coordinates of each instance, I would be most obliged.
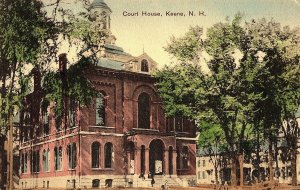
(144, 66)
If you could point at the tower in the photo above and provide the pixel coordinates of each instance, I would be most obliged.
(100, 16)
(100, 13)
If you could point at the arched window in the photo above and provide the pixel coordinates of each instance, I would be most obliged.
(185, 157)
(108, 149)
(144, 111)
(144, 66)
(100, 109)
(95, 154)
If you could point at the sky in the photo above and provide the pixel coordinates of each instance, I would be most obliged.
(138, 34)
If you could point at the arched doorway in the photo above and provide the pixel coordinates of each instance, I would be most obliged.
(131, 156)
(156, 157)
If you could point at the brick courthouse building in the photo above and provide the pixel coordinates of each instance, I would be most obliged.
(126, 142)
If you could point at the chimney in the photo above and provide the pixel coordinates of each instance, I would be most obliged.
(62, 61)
(37, 77)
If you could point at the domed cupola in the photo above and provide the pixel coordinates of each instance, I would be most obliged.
(100, 13)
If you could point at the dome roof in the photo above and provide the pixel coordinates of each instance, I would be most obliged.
(99, 4)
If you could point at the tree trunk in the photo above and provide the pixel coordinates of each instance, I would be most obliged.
(233, 170)
(293, 165)
(2, 160)
(241, 163)
(216, 174)
(257, 164)
(270, 163)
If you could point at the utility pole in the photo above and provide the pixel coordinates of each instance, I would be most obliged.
(10, 154)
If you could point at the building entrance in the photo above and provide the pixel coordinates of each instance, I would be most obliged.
(156, 157)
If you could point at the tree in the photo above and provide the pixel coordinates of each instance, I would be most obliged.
(225, 95)
(280, 76)
(213, 144)
(19, 48)
(29, 40)
(238, 90)
(72, 83)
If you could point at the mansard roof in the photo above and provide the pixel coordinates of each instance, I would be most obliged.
(108, 63)
(115, 49)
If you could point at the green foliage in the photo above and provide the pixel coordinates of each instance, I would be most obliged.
(211, 139)
(238, 95)
(86, 31)
(25, 31)
(79, 88)
(187, 46)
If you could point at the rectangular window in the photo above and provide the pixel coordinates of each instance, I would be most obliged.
(72, 113)
(58, 122)
(204, 175)
(24, 163)
(171, 120)
(45, 119)
(100, 110)
(57, 158)
(199, 164)
(72, 155)
(178, 120)
(203, 163)
(46, 160)
(199, 175)
(35, 161)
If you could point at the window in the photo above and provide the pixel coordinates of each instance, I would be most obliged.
(72, 113)
(45, 118)
(100, 109)
(108, 182)
(46, 160)
(203, 163)
(95, 154)
(199, 164)
(35, 161)
(199, 175)
(108, 155)
(58, 121)
(178, 123)
(203, 174)
(185, 157)
(24, 163)
(144, 111)
(144, 66)
(72, 155)
(57, 158)
(95, 183)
